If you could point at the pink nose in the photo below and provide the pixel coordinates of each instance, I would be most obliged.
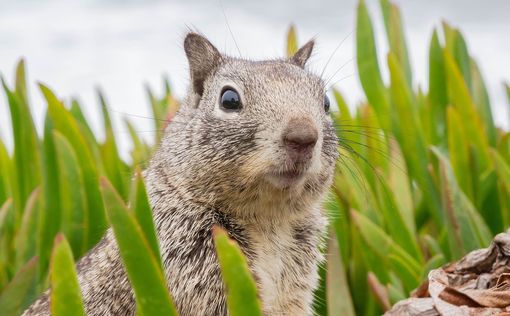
(300, 138)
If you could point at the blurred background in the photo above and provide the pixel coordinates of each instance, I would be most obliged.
(76, 46)
(423, 176)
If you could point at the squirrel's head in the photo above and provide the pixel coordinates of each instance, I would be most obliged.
(249, 129)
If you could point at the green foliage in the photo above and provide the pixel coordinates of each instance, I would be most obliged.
(140, 204)
(15, 292)
(65, 290)
(368, 66)
(50, 184)
(423, 177)
(292, 42)
(445, 189)
(336, 281)
(142, 264)
(241, 290)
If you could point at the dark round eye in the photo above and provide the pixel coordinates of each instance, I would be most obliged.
(230, 100)
(326, 103)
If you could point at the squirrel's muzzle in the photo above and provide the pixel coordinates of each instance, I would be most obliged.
(299, 139)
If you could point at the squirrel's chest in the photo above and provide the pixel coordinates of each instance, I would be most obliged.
(285, 267)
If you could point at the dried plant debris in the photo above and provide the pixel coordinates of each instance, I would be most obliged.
(478, 284)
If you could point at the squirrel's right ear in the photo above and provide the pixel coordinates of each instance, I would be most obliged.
(301, 56)
(203, 58)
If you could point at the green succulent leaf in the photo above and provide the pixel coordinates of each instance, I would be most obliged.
(241, 290)
(13, 295)
(66, 125)
(143, 267)
(368, 66)
(65, 291)
(292, 42)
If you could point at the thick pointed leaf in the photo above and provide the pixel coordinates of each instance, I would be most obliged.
(368, 66)
(50, 222)
(398, 228)
(457, 47)
(140, 154)
(139, 202)
(374, 142)
(142, 266)
(26, 236)
(404, 271)
(7, 235)
(242, 297)
(438, 90)
(461, 99)
(319, 305)
(161, 109)
(490, 202)
(503, 172)
(74, 217)
(411, 138)
(65, 291)
(352, 187)
(64, 123)
(344, 114)
(396, 37)
(482, 102)
(13, 295)
(27, 162)
(467, 229)
(5, 174)
(5, 222)
(292, 42)
(403, 264)
(110, 155)
(339, 221)
(21, 81)
(87, 132)
(399, 182)
(337, 285)
(459, 152)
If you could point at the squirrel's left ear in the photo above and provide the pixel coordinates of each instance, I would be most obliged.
(203, 59)
(301, 56)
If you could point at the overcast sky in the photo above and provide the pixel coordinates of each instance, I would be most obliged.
(74, 46)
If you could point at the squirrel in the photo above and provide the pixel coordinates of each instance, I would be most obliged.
(251, 149)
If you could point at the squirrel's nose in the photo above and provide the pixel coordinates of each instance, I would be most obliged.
(300, 138)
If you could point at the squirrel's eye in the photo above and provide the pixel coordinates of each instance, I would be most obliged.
(230, 100)
(326, 103)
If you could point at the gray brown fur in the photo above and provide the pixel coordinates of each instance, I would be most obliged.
(212, 168)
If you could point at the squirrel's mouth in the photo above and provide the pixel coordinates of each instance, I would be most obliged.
(285, 179)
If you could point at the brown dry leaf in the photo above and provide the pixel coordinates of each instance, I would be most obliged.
(476, 285)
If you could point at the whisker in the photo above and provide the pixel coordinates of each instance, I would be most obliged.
(334, 52)
(372, 135)
(364, 159)
(336, 72)
(338, 81)
(229, 29)
(398, 164)
(136, 115)
(358, 175)
(360, 127)
(138, 132)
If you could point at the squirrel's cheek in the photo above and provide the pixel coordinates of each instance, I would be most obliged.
(255, 165)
